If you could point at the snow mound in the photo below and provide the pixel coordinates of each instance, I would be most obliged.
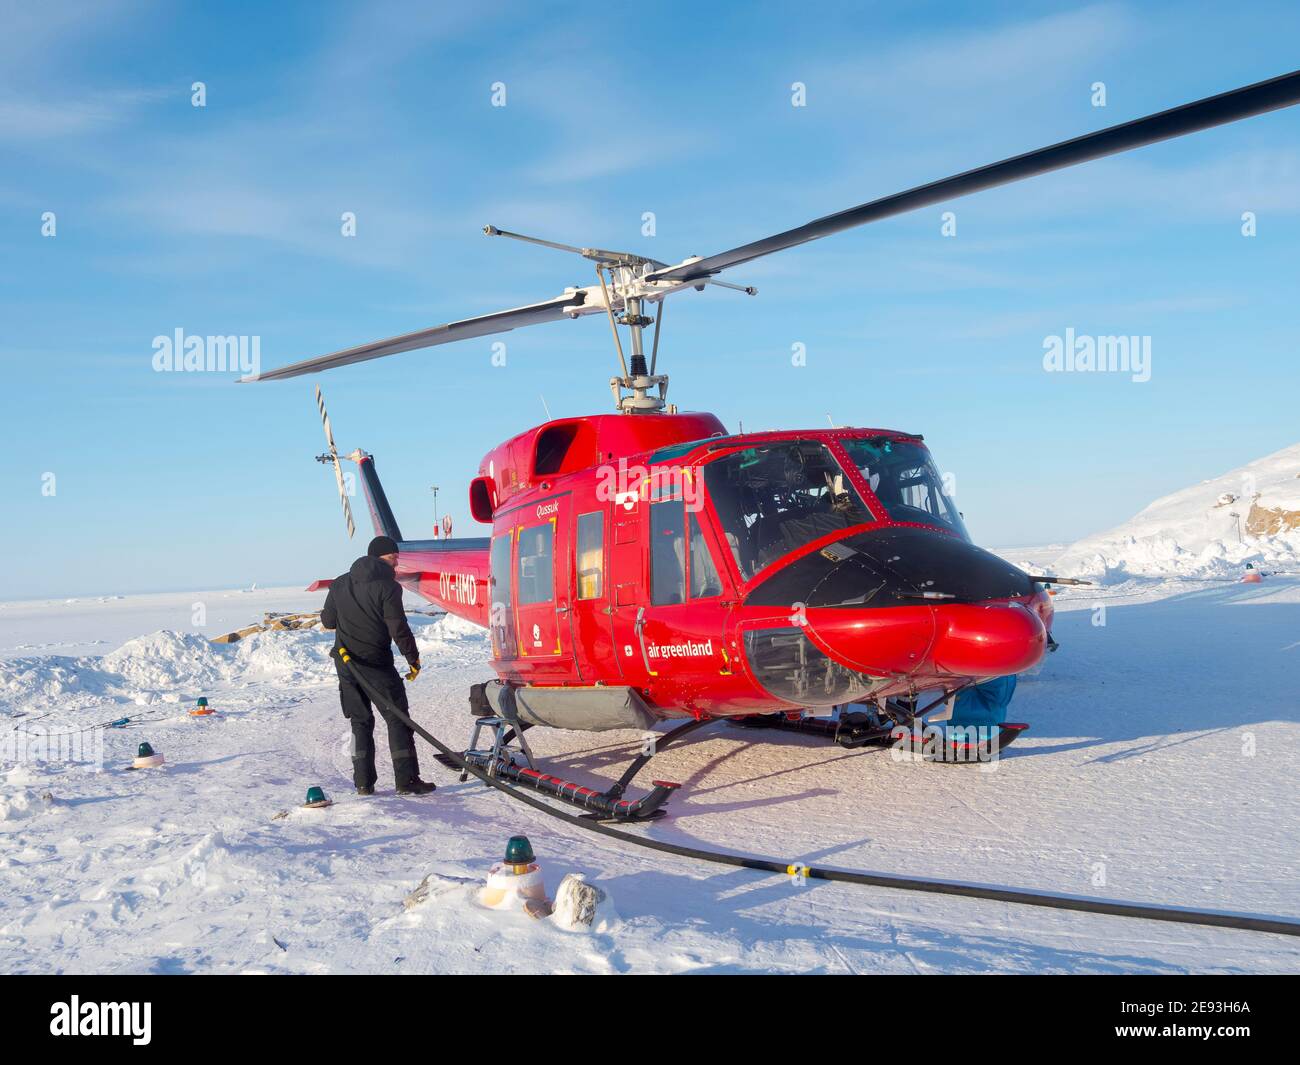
(168, 666)
(17, 805)
(164, 666)
(450, 627)
(165, 659)
(1209, 530)
(38, 678)
(296, 655)
(23, 797)
(450, 636)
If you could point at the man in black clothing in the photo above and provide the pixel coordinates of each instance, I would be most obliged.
(364, 608)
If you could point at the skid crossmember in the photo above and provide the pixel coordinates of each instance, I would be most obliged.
(501, 759)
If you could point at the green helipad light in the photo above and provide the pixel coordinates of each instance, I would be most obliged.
(145, 751)
(519, 851)
(315, 794)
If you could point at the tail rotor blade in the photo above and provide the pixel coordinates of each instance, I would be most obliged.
(325, 421)
(343, 497)
(333, 457)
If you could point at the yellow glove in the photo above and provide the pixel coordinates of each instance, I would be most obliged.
(415, 672)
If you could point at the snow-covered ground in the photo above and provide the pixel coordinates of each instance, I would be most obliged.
(1161, 766)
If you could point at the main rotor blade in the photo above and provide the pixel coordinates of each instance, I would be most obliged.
(498, 322)
(1256, 99)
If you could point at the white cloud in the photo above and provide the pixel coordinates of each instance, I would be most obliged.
(948, 72)
(38, 119)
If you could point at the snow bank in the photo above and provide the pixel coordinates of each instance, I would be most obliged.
(1212, 529)
(448, 635)
(168, 666)
(294, 656)
(163, 660)
(37, 678)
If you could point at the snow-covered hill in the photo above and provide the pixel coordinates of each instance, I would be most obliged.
(1212, 529)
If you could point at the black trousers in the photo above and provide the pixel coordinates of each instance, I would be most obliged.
(357, 708)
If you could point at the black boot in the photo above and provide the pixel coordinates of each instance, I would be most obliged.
(416, 787)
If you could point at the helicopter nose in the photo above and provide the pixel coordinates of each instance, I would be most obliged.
(877, 642)
(993, 640)
(904, 602)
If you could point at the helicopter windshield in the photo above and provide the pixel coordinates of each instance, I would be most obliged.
(774, 498)
(904, 479)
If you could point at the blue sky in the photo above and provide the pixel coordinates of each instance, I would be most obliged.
(226, 220)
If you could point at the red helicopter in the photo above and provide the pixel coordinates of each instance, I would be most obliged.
(649, 565)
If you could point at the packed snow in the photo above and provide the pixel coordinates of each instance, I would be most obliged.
(1160, 767)
(1250, 515)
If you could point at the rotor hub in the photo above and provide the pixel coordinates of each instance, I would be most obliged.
(633, 395)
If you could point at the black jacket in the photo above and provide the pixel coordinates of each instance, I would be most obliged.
(364, 607)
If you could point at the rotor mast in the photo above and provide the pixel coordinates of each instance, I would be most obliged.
(632, 390)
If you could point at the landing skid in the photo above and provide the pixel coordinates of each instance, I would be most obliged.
(501, 758)
(930, 742)
(933, 744)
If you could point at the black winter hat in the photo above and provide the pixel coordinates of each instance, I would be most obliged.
(382, 545)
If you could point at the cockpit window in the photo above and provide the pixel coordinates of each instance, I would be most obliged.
(774, 498)
(904, 479)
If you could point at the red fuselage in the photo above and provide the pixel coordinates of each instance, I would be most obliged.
(728, 575)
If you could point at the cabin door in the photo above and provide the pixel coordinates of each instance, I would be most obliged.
(627, 584)
(591, 604)
(542, 598)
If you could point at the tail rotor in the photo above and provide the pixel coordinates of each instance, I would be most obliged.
(332, 456)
